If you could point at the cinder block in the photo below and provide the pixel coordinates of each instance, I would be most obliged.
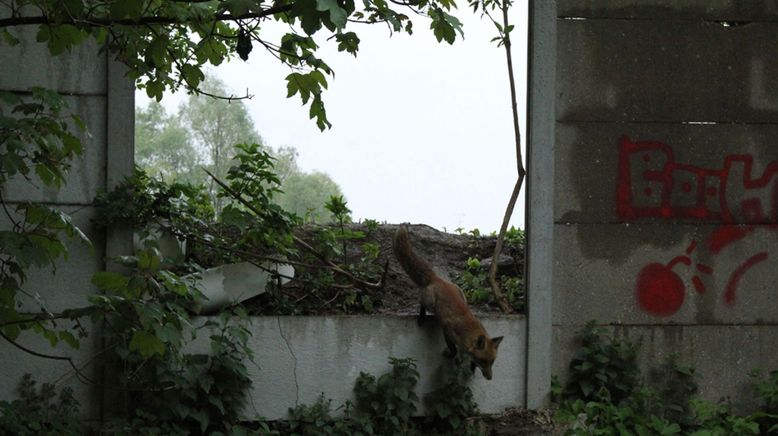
(666, 71)
(660, 274)
(28, 64)
(703, 171)
(87, 172)
(69, 284)
(14, 363)
(753, 10)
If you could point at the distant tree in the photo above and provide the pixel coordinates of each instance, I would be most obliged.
(305, 194)
(216, 126)
(286, 162)
(203, 134)
(163, 146)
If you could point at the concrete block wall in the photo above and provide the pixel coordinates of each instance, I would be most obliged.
(300, 358)
(665, 181)
(95, 89)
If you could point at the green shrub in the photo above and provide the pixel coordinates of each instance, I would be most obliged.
(606, 394)
(40, 411)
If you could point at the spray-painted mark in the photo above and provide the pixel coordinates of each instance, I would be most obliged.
(650, 183)
(660, 290)
(734, 279)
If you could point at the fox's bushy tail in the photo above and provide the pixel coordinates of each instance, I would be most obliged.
(417, 268)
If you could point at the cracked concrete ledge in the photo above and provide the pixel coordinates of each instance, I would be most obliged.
(299, 358)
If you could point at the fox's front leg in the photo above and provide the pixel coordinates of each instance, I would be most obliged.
(422, 315)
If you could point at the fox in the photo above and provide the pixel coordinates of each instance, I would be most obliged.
(461, 329)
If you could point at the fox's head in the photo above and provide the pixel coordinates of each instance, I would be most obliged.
(483, 354)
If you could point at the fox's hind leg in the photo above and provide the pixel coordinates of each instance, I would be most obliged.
(451, 348)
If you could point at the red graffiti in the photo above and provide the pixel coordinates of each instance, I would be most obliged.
(660, 291)
(650, 183)
(729, 294)
(726, 235)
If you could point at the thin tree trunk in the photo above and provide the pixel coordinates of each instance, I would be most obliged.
(498, 295)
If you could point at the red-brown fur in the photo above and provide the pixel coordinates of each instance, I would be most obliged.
(461, 329)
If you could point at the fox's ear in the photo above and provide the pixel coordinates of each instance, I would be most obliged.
(496, 341)
(481, 343)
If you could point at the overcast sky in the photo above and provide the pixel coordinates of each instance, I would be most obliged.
(422, 131)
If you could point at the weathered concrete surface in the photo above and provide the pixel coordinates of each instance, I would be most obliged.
(751, 10)
(301, 357)
(14, 363)
(541, 150)
(81, 71)
(69, 284)
(585, 189)
(603, 285)
(82, 75)
(636, 70)
(666, 181)
(87, 172)
(722, 355)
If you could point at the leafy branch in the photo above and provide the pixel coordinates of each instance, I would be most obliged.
(327, 262)
(167, 44)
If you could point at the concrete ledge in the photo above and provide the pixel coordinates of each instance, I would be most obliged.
(301, 357)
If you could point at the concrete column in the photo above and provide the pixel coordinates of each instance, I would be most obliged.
(540, 198)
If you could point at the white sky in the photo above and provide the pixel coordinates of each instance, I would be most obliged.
(422, 131)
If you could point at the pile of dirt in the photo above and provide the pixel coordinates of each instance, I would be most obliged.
(448, 253)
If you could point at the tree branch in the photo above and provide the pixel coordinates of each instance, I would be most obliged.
(333, 266)
(67, 359)
(498, 295)
(142, 21)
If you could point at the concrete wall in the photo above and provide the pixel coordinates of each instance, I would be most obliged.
(301, 357)
(298, 357)
(665, 192)
(97, 91)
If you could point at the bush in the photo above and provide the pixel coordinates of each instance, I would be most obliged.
(607, 394)
(40, 411)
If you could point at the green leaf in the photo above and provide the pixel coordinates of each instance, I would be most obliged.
(240, 7)
(149, 259)
(348, 42)
(445, 26)
(9, 38)
(154, 89)
(146, 344)
(168, 333)
(193, 75)
(69, 339)
(338, 15)
(51, 336)
(132, 9)
(110, 281)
